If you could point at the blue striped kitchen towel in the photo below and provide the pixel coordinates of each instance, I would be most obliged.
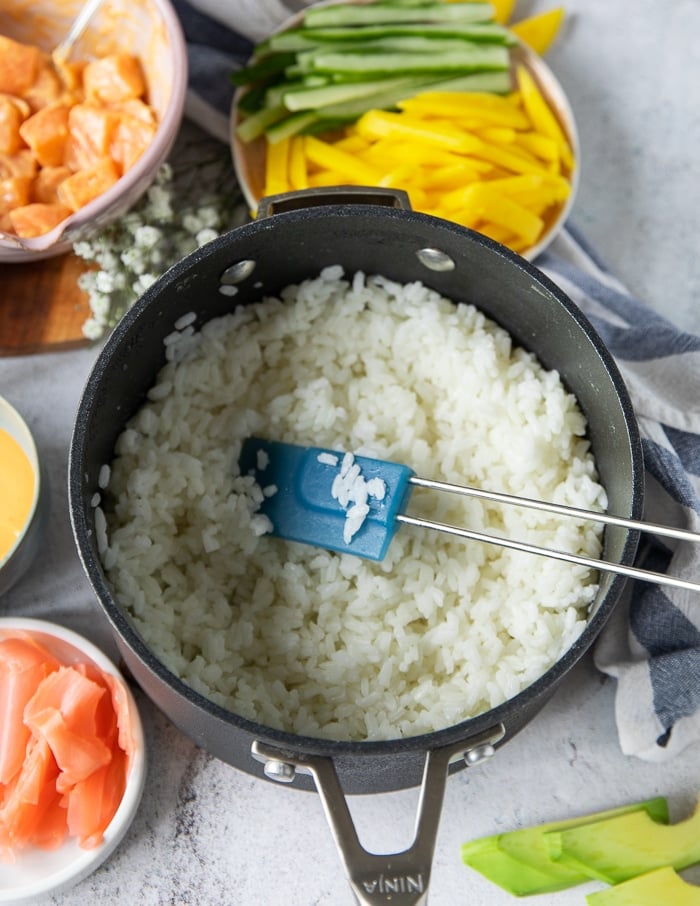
(652, 644)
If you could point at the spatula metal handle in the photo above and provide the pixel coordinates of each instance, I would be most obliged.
(619, 568)
(562, 510)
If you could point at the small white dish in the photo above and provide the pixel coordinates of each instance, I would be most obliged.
(18, 558)
(39, 872)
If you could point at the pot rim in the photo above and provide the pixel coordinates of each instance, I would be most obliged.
(129, 637)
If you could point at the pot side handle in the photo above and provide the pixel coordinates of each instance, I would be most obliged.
(397, 878)
(332, 195)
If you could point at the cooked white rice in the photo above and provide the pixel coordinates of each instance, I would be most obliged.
(330, 645)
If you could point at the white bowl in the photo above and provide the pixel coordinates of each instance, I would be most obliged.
(18, 559)
(151, 30)
(40, 872)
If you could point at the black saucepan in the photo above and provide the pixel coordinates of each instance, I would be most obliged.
(293, 238)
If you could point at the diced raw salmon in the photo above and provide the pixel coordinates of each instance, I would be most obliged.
(83, 186)
(19, 64)
(131, 138)
(137, 108)
(46, 132)
(35, 219)
(90, 133)
(23, 665)
(47, 89)
(46, 183)
(114, 78)
(15, 192)
(70, 73)
(10, 120)
(20, 164)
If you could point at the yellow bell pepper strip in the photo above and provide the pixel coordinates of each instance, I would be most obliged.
(352, 168)
(480, 201)
(298, 175)
(503, 10)
(539, 31)
(380, 124)
(453, 174)
(541, 115)
(540, 145)
(486, 108)
(276, 163)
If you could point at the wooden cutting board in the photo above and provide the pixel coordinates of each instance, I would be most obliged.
(42, 309)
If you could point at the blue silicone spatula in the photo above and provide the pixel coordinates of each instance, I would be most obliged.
(355, 505)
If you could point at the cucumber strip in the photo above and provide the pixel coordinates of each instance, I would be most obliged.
(257, 123)
(291, 125)
(382, 64)
(496, 82)
(412, 44)
(275, 94)
(350, 14)
(308, 38)
(313, 98)
(398, 44)
(409, 2)
(492, 82)
(380, 100)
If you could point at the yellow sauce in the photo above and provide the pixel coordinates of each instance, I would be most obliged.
(17, 488)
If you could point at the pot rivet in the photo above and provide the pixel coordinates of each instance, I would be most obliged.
(280, 771)
(435, 260)
(479, 754)
(238, 272)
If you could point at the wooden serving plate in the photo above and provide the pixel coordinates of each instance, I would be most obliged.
(42, 309)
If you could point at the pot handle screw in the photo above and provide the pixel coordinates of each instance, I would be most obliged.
(479, 753)
(281, 771)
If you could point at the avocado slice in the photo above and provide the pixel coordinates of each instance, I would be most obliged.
(652, 889)
(628, 845)
(520, 863)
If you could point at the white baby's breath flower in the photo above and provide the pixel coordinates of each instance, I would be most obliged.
(93, 329)
(180, 211)
(84, 250)
(209, 216)
(205, 235)
(143, 282)
(192, 223)
(147, 236)
(100, 305)
(108, 259)
(104, 282)
(133, 258)
(159, 206)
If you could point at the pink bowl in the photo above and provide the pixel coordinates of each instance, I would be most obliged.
(148, 28)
